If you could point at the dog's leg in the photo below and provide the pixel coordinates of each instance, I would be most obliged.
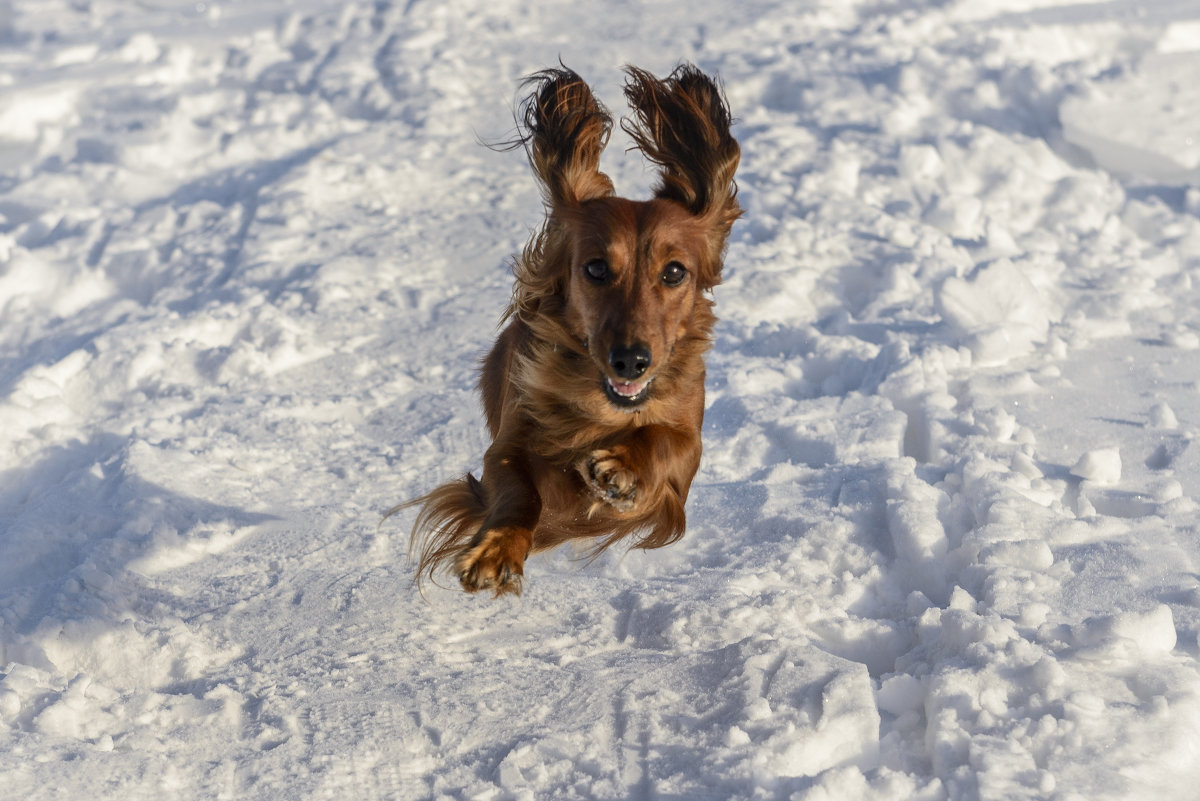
(607, 475)
(632, 471)
(495, 558)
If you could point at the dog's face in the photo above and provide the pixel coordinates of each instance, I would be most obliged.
(634, 271)
(622, 276)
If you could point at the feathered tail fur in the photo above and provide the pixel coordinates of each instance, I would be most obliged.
(450, 516)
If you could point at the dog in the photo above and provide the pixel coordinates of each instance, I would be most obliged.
(594, 389)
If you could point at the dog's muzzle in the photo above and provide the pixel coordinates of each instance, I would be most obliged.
(627, 394)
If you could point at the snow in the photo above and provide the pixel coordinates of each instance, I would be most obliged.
(1102, 466)
(1111, 120)
(943, 543)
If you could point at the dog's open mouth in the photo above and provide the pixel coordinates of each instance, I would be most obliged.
(627, 394)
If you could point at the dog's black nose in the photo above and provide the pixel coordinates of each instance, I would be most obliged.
(629, 361)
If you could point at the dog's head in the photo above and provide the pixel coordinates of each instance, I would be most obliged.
(626, 276)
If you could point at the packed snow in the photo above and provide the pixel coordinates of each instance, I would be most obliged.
(944, 542)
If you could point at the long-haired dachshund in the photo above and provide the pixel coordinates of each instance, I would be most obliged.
(594, 390)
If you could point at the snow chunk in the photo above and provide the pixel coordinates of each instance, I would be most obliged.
(917, 533)
(141, 48)
(1101, 466)
(1146, 123)
(998, 313)
(1180, 36)
(1163, 416)
(26, 116)
(1023, 554)
(958, 215)
(1183, 340)
(29, 282)
(900, 693)
(822, 713)
(1151, 632)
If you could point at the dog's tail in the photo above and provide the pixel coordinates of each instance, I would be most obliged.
(450, 516)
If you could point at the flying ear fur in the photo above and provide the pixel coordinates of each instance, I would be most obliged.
(564, 129)
(681, 123)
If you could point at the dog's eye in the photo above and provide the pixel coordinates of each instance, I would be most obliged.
(673, 274)
(596, 271)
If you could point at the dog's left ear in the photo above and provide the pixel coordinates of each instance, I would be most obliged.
(681, 123)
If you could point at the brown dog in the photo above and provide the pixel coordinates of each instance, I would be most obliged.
(594, 392)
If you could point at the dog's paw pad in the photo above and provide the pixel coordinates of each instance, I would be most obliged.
(610, 480)
(496, 563)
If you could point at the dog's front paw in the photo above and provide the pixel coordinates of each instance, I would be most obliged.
(608, 477)
(495, 561)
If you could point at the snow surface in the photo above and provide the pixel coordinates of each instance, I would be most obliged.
(944, 542)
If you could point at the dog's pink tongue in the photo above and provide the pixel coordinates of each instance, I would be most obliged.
(627, 389)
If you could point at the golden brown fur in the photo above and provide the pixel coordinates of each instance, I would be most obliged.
(594, 390)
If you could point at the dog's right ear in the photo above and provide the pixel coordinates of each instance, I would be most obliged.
(564, 129)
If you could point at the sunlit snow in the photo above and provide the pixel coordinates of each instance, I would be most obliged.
(945, 540)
